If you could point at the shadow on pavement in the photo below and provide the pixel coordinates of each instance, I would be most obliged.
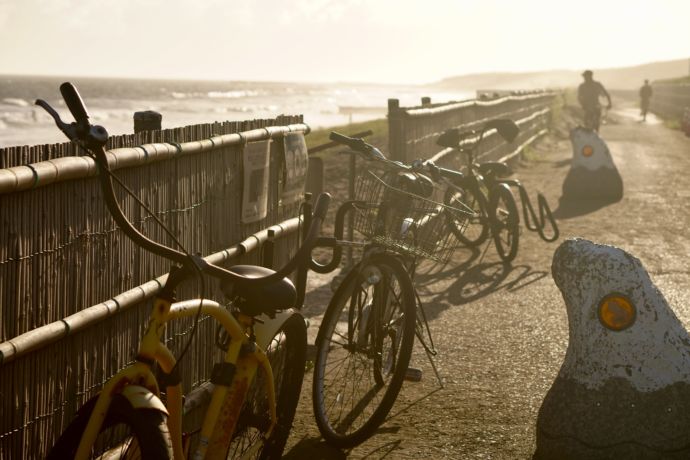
(569, 208)
(429, 273)
(476, 282)
(315, 448)
(318, 449)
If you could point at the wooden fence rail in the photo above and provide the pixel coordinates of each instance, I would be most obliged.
(62, 257)
(413, 130)
(670, 100)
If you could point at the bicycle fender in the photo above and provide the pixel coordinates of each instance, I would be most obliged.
(141, 398)
(267, 328)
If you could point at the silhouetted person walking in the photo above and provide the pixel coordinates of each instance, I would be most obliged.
(645, 97)
(588, 94)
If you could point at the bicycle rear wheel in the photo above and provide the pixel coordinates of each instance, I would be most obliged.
(505, 222)
(471, 231)
(126, 433)
(287, 354)
(363, 350)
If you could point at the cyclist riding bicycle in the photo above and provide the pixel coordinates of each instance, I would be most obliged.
(588, 94)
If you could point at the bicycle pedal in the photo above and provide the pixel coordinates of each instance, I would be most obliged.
(412, 374)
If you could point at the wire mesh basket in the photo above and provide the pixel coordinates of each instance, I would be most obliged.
(405, 222)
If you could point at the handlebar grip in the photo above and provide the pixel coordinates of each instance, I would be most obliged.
(321, 206)
(74, 102)
(341, 139)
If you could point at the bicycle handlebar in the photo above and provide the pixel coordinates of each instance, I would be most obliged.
(74, 102)
(358, 145)
(94, 139)
(372, 153)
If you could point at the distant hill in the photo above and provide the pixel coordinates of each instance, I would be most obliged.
(614, 78)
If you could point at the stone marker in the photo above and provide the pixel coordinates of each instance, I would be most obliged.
(623, 391)
(593, 174)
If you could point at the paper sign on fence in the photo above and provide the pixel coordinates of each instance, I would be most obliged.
(255, 158)
(296, 162)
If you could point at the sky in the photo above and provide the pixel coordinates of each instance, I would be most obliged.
(383, 41)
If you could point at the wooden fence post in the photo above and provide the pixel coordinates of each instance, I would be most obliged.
(396, 131)
(147, 120)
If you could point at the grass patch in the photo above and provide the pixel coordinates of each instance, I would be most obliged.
(672, 123)
(320, 136)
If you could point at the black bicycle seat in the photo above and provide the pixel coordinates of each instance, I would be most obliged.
(263, 300)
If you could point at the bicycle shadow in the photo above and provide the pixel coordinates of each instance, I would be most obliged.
(315, 448)
(318, 449)
(430, 272)
(478, 282)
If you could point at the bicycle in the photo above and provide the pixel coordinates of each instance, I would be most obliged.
(251, 407)
(490, 197)
(364, 343)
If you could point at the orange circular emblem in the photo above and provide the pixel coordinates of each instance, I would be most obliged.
(587, 150)
(616, 312)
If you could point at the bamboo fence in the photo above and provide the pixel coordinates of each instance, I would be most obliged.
(74, 288)
(413, 131)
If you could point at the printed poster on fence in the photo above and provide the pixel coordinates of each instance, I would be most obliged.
(296, 162)
(255, 158)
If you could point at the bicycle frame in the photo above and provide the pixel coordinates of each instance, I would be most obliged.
(243, 356)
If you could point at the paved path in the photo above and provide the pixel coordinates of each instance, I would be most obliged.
(502, 331)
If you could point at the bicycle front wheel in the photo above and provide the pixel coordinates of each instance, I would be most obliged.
(126, 433)
(470, 230)
(363, 349)
(287, 354)
(505, 222)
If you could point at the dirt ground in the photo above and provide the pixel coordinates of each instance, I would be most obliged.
(501, 330)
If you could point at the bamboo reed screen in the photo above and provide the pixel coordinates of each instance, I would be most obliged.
(61, 252)
(413, 130)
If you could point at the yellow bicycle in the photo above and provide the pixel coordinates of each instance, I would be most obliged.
(250, 412)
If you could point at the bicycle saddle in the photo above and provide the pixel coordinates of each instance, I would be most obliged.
(495, 169)
(266, 299)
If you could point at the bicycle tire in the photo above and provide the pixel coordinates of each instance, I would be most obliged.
(287, 354)
(147, 425)
(471, 231)
(505, 222)
(363, 297)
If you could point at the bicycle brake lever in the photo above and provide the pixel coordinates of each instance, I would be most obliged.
(96, 135)
(70, 130)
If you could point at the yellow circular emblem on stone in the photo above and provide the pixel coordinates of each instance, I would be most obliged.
(617, 312)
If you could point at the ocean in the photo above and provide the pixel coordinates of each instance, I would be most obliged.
(112, 103)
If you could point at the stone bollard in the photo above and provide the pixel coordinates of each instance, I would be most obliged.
(593, 174)
(623, 391)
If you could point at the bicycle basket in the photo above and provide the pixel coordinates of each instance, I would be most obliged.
(402, 221)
